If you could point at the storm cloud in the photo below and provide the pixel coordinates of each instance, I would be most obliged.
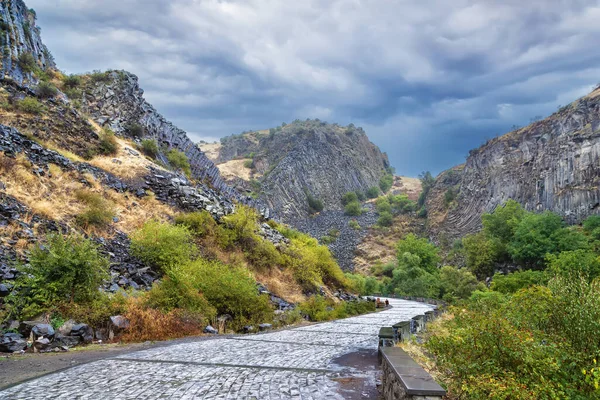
(428, 80)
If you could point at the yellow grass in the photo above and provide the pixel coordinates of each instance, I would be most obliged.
(235, 169)
(128, 166)
(211, 150)
(55, 197)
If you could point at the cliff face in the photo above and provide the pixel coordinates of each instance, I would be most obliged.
(305, 158)
(117, 101)
(19, 35)
(553, 164)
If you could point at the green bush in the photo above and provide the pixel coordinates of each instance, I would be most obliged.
(591, 226)
(401, 204)
(200, 223)
(386, 182)
(108, 143)
(135, 130)
(360, 195)
(353, 208)
(385, 219)
(512, 283)
(31, 105)
(349, 198)
(71, 81)
(450, 196)
(373, 192)
(422, 213)
(249, 164)
(173, 293)
(27, 62)
(231, 290)
(354, 225)
(575, 263)
(314, 205)
(64, 269)
(179, 160)
(99, 212)
(481, 254)
(162, 245)
(99, 76)
(46, 90)
(150, 148)
(382, 205)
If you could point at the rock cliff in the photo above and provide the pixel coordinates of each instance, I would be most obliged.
(553, 164)
(20, 36)
(308, 158)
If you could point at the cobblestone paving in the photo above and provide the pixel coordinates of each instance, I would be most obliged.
(291, 364)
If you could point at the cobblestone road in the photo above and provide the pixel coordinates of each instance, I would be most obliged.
(297, 363)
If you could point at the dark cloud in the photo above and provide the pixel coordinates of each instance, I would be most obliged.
(428, 80)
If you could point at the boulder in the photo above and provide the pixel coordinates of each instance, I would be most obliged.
(265, 327)
(4, 290)
(12, 342)
(211, 331)
(43, 330)
(119, 323)
(66, 328)
(26, 326)
(248, 329)
(42, 343)
(84, 331)
(67, 341)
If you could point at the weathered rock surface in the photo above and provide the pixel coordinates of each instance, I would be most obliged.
(323, 160)
(19, 34)
(119, 103)
(553, 164)
(11, 342)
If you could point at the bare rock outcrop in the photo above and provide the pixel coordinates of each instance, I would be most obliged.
(553, 164)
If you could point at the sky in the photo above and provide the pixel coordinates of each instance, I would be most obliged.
(428, 80)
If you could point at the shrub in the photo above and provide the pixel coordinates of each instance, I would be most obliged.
(422, 213)
(450, 196)
(349, 198)
(135, 130)
(353, 208)
(314, 205)
(108, 143)
(31, 105)
(373, 192)
(401, 204)
(591, 226)
(163, 245)
(385, 219)
(99, 211)
(179, 160)
(317, 308)
(46, 90)
(575, 263)
(249, 164)
(199, 223)
(512, 283)
(386, 182)
(173, 293)
(150, 148)
(71, 81)
(64, 269)
(99, 76)
(360, 195)
(27, 62)
(231, 290)
(383, 205)
(354, 225)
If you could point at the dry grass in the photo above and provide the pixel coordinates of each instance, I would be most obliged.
(211, 150)
(235, 169)
(56, 197)
(150, 324)
(127, 166)
(282, 284)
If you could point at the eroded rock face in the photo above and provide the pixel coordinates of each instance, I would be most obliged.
(119, 103)
(553, 164)
(324, 160)
(19, 34)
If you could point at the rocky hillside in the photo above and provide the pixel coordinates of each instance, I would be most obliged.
(552, 164)
(23, 50)
(305, 159)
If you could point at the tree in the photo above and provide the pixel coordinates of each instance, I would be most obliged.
(575, 263)
(315, 205)
(457, 283)
(427, 252)
(427, 182)
(503, 222)
(481, 254)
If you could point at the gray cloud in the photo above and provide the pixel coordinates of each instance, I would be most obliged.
(428, 80)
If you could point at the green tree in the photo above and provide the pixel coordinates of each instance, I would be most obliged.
(315, 205)
(481, 254)
(373, 192)
(457, 283)
(503, 222)
(427, 252)
(575, 263)
(386, 182)
(512, 283)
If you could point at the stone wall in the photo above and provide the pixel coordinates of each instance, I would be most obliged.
(394, 389)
